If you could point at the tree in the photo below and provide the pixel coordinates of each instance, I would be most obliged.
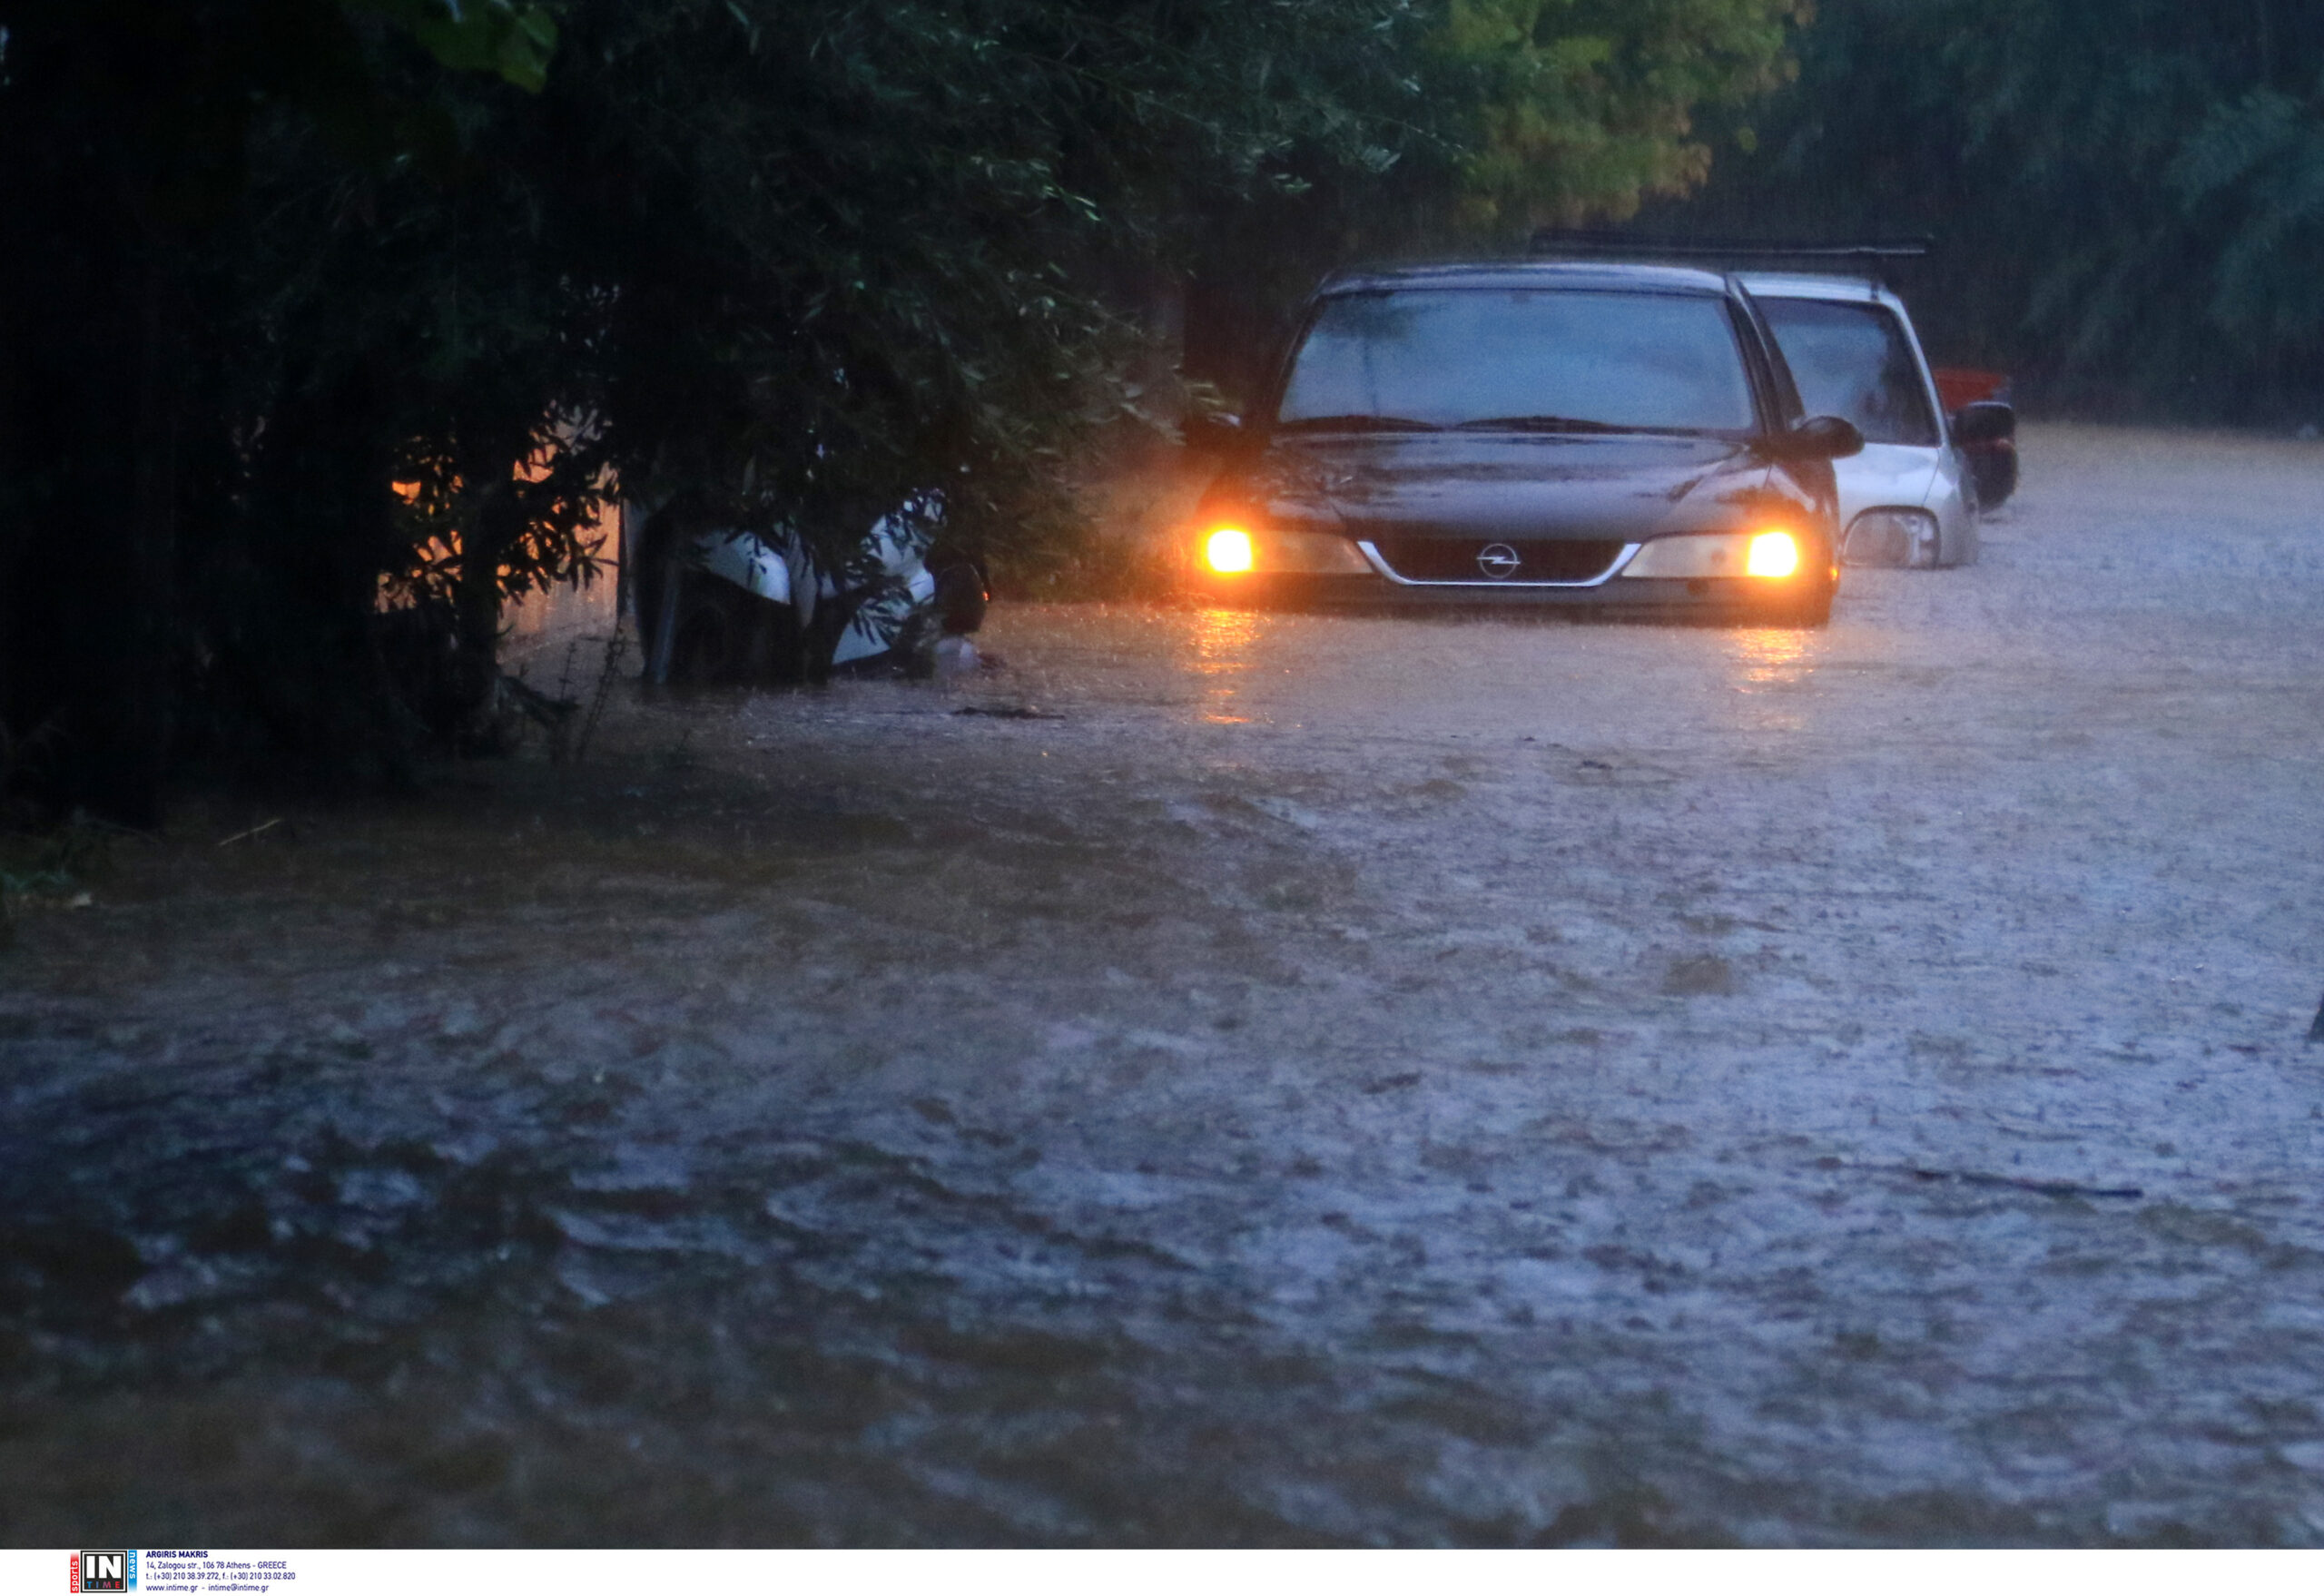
(1519, 113)
(1584, 108)
(751, 261)
(124, 136)
(2130, 193)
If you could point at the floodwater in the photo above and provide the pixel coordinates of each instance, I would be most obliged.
(1261, 1078)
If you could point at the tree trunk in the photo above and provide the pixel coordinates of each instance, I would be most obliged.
(489, 457)
(88, 444)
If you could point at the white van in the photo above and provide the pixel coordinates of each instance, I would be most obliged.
(1911, 498)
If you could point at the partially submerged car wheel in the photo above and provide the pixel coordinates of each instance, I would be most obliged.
(712, 642)
(961, 594)
(723, 635)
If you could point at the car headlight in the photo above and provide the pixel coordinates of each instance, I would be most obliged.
(1233, 549)
(1891, 537)
(1770, 555)
(1692, 556)
(1773, 554)
(1228, 550)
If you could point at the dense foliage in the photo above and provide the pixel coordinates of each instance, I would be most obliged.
(330, 298)
(2129, 194)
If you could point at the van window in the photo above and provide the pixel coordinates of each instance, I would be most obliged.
(1854, 360)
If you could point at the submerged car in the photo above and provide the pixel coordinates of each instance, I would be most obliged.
(728, 606)
(1912, 496)
(1611, 436)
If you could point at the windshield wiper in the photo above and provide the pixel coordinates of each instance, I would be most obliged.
(1356, 424)
(1543, 424)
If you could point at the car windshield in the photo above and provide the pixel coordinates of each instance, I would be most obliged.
(1853, 361)
(1527, 359)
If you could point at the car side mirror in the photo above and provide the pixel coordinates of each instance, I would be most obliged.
(1216, 435)
(1986, 421)
(1818, 437)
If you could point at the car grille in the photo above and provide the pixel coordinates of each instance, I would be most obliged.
(1455, 559)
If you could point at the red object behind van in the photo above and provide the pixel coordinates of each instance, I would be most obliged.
(1957, 386)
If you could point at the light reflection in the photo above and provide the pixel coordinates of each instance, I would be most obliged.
(1773, 659)
(1223, 639)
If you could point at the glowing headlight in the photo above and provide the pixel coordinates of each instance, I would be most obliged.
(1234, 551)
(1773, 554)
(1694, 555)
(1228, 550)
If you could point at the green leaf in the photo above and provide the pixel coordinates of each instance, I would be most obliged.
(514, 40)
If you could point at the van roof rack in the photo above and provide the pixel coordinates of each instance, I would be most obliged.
(1870, 256)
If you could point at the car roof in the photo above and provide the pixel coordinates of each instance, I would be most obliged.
(1803, 285)
(1600, 275)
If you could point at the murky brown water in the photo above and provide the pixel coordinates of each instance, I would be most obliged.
(1284, 1079)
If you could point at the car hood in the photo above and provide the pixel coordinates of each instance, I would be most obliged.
(1885, 474)
(1503, 485)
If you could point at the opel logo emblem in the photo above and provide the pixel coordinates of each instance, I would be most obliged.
(1498, 560)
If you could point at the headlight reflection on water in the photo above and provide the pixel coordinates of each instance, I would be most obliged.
(1769, 660)
(1772, 657)
(1223, 639)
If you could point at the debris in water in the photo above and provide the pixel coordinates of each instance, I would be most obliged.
(2023, 1183)
(1008, 712)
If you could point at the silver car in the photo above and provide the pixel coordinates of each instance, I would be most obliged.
(726, 605)
(1910, 498)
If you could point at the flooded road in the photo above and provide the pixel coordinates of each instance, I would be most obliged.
(1230, 1078)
